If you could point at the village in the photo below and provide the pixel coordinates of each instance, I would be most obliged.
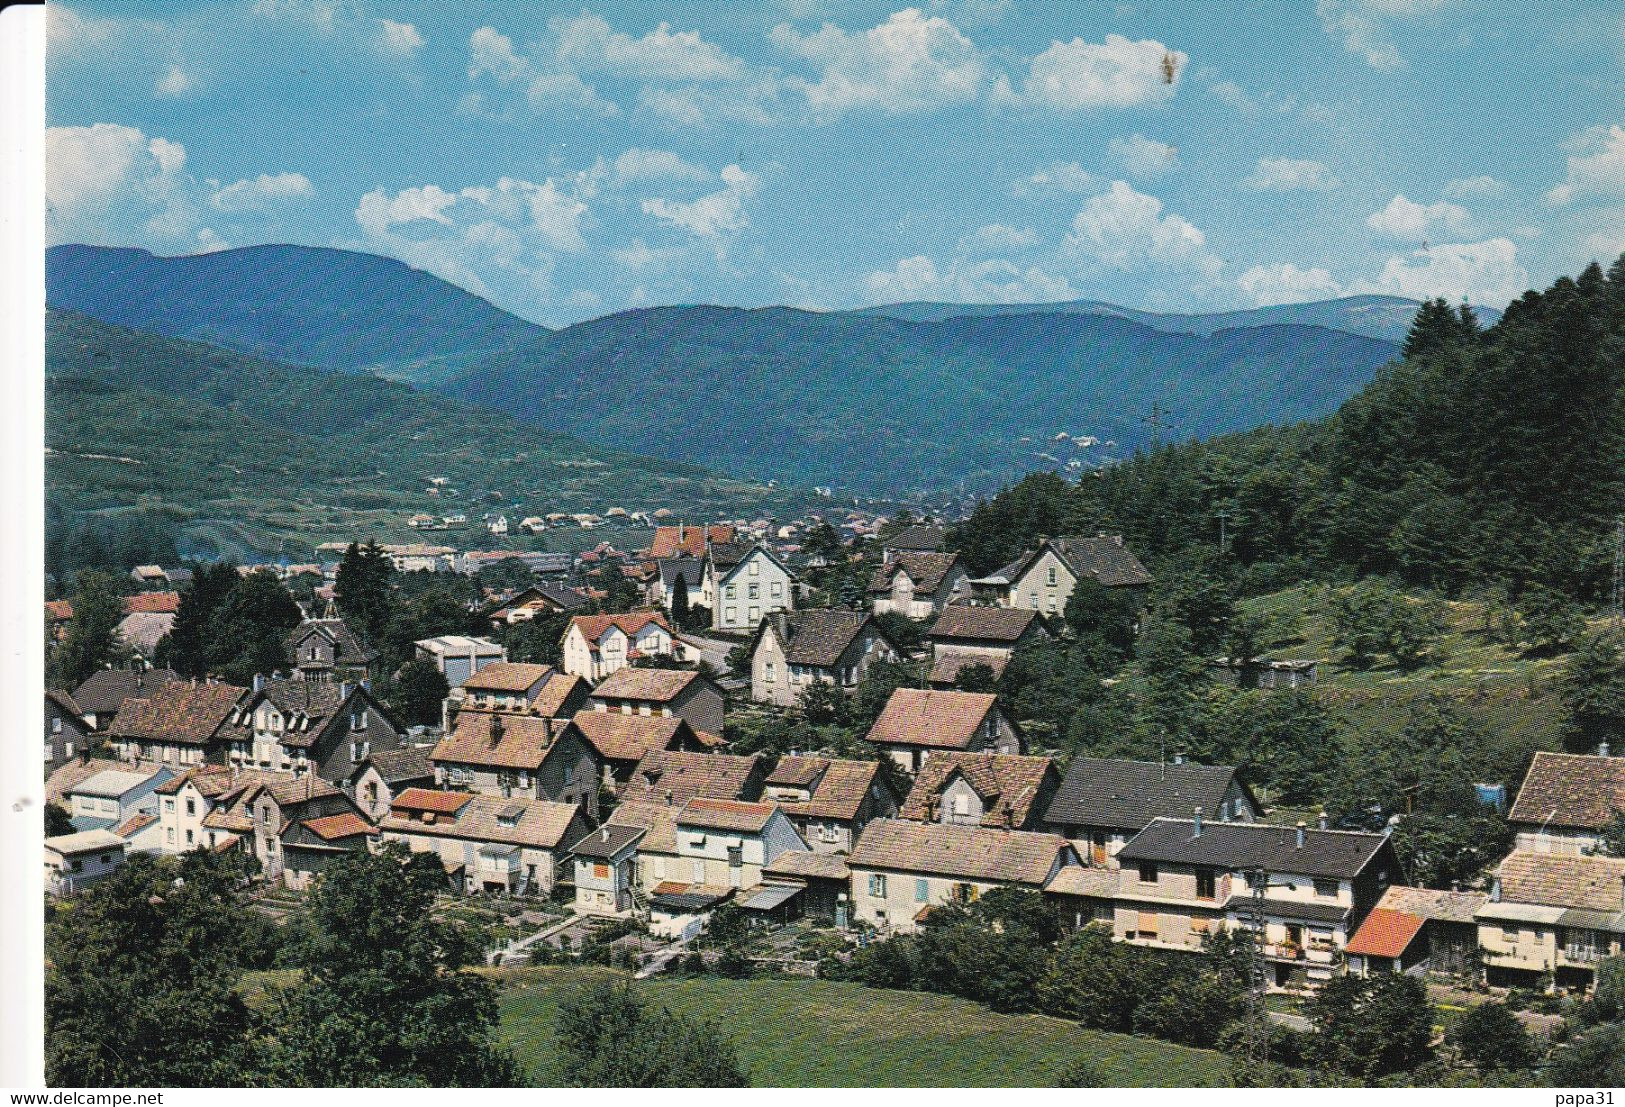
(613, 786)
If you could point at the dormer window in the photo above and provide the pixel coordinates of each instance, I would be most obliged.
(358, 721)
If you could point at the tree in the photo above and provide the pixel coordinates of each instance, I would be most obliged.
(91, 641)
(188, 646)
(1551, 621)
(975, 677)
(383, 1001)
(140, 982)
(419, 692)
(1445, 850)
(1595, 1059)
(680, 613)
(248, 632)
(609, 1037)
(1489, 1036)
(57, 820)
(1107, 615)
(362, 589)
(1375, 1026)
(1592, 692)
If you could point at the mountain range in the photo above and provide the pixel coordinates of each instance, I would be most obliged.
(890, 398)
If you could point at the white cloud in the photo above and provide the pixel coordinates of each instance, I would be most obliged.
(1060, 176)
(1079, 75)
(716, 213)
(1597, 166)
(552, 91)
(346, 21)
(994, 281)
(173, 82)
(1228, 92)
(491, 53)
(379, 211)
(639, 256)
(692, 106)
(1143, 157)
(1361, 32)
(399, 39)
(638, 164)
(1290, 174)
(113, 185)
(1128, 230)
(998, 236)
(1484, 272)
(911, 63)
(1285, 283)
(587, 43)
(262, 192)
(1463, 188)
(1408, 220)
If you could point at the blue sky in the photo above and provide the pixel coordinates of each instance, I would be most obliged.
(568, 161)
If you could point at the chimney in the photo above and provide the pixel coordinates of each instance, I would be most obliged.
(1388, 827)
(1602, 749)
(603, 834)
(1323, 821)
(1179, 757)
(1196, 816)
(344, 690)
(496, 729)
(259, 682)
(1303, 831)
(1495, 890)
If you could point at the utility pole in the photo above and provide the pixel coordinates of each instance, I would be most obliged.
(1619, 576)
(1257, 1045)
(1157, 420)
(1224, 538)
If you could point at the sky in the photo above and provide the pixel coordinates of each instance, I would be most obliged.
(566, 161)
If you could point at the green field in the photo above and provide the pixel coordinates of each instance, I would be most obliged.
(792, 1032)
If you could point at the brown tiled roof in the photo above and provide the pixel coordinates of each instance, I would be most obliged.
(817, 636)
(1385, 933)
(932, 718)
(926, 570)
(619, 737)
(289, 791)
(667, 544)
(135, 824)
(840, 791)
(685, 776)
(540, 824)
(945, 669)
(970, 852)
(982, 624)
(217, 780)
(554, 698)
(1570, 789)
(804, 865)
(594, 626)
(1010, 786)
(723, 814)
(105, 690)
(178, 712)
(656, 685)
(60, 610)
(1080, 880)
(1556, 880)
(395, 766)
(659, 820)
(157, 603)
(1427, 903)
(64, 703)
(427, 799)
(507, 676)
(309, 705)
(346, 824)
(496, 739)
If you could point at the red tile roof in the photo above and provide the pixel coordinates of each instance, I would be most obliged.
(594, 626)
(156, 603)
(425, 799)
(692, 542)
(932, 718)
(1385, 933)
(346, 824)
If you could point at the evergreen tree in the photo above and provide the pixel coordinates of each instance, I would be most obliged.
(418, 693)
(91, 641)
(362, 589)
(1489, 1037)
(189, 644)
(57, 820)
(1592, 691)
(1374, 1026)
(679, 603)
(248, 632)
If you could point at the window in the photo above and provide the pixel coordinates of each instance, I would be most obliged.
(828, 833)
(56, 724)
(755, 567)
(753, 591)
(1326, 887)
(359, 750)
(736, 856)
(731, 592)
(732, 615)
(1206, 884)
(190, 837)
(922, 890)
(769, 673)
(1148, 872)
(191, 806)
(169, 804)
(47, 751)
(371, 792)
(776, 590)
(877, 885)
(1032, 599)
(1051, 574)
(961, 804)
(359, 721)
(169, 835)
(755, 614)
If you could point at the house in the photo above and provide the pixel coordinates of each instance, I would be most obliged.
(1007, 791)
(458, 656)
(141, 631)
(597, 645)
(673, 777)
(1566, 801)
(741, 583)
(536, 602)
(517, 756)
(663, 692)
(78, 860)
(297, 828)
(723, 843)
(902, 869)
(662, 586)
(327, 649)
(57, 615)
(1103, 802)
(917, 585)
(606, 869)
(1180, 880)
(917, 722)
(67, 732)
(966, 635)
(1550, 918)
(383, 776)
(301, 726)
(1416, 930)
(103, 692)
(1257, 672)
(622, 741)
(686, 541)
(149, 576)
(826, 877)
(487, 843)
(793, 650)
(829, 800)
(187, 800)
(109, 798)
(1042, 578)
(181, 723)
(520, 687)
(919, 538)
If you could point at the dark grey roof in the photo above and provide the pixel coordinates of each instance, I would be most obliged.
(925, 537)
(1277, 908)
(817, 636)
(106, 689)
(608, 840)
(1129, 794)
(1103, 558)
(725, 555)
(567, 598)
(686, 902)
(1341, 854)
(403, 765)
(349, 651)
(691, 569)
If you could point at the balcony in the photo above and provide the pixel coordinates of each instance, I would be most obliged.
(1584, 955)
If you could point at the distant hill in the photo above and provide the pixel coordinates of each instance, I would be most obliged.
(875, 403)
(335, 309)
(275, 453)
(1383, 317)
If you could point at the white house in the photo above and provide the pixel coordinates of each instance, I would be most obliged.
(597, 645)
(74, 861)
(742, 583)
(459, 656)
